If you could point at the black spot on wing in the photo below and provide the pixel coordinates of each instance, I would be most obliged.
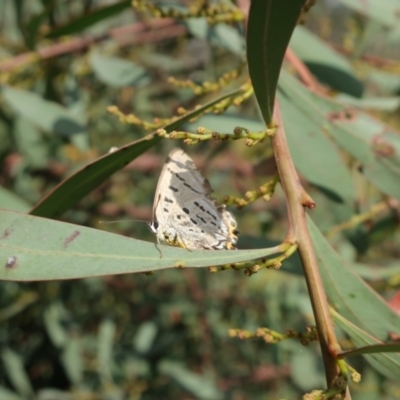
(174, 189)
(185, 210)
(168, 200)
(165, 210)
(179, 177)
(211, 215)
(199, 206)
(201, 219)
(193, 221)
(191, 188)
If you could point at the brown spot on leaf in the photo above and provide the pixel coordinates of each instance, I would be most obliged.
(71, 238)
(343, 116)
(382, 148)
(6, 233)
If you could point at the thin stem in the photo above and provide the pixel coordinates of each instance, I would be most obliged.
(297, 199)
(374, 211)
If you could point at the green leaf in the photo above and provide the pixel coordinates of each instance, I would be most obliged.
(373, 349)
(355, 300)
(70, 191)
(374, 103)
(200, 386)
(14, 366)
(30, 143)
(105, 348)
(53, 322)
(310, 48)
(145, 336)
(226, 123)
(229, 38)
(36, 249)
(386, 12)
(377, 272)
(72, 360)
(349, 294)
(270, 26)
(32, 29)
(45, 114)
(388, 364)
(387, 82)
(306, 371)
(311, 148)
(370, 141)
(376, 146)
(325, 63)
(7, 394)
(11, 201)
(116, 71)
(85, 21)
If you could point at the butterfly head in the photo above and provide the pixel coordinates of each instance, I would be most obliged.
(153, 226)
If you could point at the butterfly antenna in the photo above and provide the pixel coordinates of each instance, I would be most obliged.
(124, 220)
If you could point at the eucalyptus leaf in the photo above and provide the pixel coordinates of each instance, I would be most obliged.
(34, 248)
(14, 367)
(145, 336)
(388, 364)
(13, 202)
(311, 148)
(269, 28)
(201, 387)
(45, 114)
(324, 62)
(348, 294)
(30, 143)
(117, 72)
(367, 139)
(72, 360)
(105, 348)
(7, 394)
(383, 11)
(70, 191)
(375, 103)
(86, 20)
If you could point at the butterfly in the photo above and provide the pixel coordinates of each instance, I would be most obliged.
(184, 214)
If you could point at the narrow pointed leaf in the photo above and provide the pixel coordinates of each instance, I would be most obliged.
(388, 364)
(367, 139)
(47, 115)
(270, 26)
(349, 294)
(334, 179)
(81, 23)
(36, 249)
(82, 182)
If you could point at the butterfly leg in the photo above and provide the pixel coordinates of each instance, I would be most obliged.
(181, 242)
(158, 247)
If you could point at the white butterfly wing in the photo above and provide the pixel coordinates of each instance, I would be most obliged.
(184, 212)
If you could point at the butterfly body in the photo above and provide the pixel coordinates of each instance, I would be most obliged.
(184, 213)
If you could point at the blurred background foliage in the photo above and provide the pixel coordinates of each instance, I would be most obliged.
(165, 336)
